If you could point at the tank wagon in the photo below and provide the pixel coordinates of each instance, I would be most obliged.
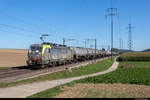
(79, 53)
(49, 54)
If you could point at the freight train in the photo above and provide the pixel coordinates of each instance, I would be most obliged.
(49, 54)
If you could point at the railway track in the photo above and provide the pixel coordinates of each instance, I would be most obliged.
(10, 71)
(20, 73)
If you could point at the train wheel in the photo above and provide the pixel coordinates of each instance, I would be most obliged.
(57, 63)
(42, 66)
(75, 60)
(64, 62)
(70, 62)
(54, 64)
(49, 64)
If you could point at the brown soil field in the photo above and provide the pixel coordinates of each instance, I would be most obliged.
(12, 57)
(105, 91)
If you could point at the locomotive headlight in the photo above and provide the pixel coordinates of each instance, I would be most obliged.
(29, 51)
(37, 51)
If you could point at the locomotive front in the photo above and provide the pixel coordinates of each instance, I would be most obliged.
(34, 54)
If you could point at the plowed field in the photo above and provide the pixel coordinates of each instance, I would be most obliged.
(12, 57)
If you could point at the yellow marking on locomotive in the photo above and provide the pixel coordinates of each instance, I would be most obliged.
(68, 56)
(44, 47)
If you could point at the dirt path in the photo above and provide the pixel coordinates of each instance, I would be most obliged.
(23, 91)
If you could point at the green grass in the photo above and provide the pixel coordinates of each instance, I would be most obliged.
(1, 68)
(89, 69)
(136, 73)
(48, 93)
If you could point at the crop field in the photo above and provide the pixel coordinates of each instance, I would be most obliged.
(12, 58)
(135, 56)
(104, 91)
(131, 79)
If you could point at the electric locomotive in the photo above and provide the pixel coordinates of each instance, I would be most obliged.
(47, 54)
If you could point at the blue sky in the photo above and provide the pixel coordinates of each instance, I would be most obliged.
(23, 21)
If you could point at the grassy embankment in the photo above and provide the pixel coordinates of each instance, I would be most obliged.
(84, 70)
(128, 72)
(2, 68)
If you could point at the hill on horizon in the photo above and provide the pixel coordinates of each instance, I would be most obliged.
(147, 50)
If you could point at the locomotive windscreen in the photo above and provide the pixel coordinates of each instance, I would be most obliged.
(34, 48)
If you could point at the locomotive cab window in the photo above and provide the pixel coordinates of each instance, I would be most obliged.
(36, 48)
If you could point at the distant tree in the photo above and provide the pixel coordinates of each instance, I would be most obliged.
(114, 49)
(103, 49)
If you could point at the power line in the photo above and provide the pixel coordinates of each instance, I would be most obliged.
(86, 4)
(89, 7)
(95, 47)
(85, 44)
(23, 21)
(65, 40)
(130, 27)
(111, 3)
(41, 19)
(121, 43)
(31, 36)
(19, 28)
(17, 19)
(112, 13)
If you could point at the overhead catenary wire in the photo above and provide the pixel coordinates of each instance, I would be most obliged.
(42, 20)
(30, 36)
(19, 28)
(23, 29)
(86, 4)
(17, 19)
(22, 21)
